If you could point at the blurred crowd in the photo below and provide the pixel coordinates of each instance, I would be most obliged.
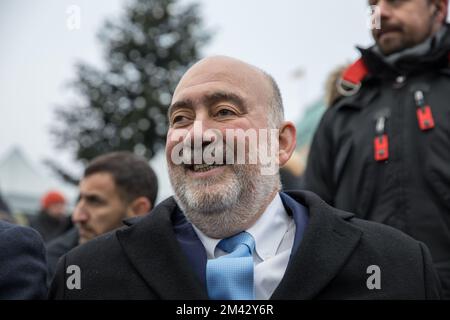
(380, 152)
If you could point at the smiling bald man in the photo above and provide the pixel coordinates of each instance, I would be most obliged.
(229, 233)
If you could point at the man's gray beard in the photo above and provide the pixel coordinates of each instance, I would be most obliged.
(229, 210)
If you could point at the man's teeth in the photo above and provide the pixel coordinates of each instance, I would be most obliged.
(205, 167)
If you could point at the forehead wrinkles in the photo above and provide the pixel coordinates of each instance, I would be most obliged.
(249, 83)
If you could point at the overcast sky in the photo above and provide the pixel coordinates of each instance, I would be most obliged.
(39, 51)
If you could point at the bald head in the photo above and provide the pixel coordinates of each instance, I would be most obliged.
(233, 111)
(253, 82)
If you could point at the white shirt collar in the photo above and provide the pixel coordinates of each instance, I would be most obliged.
(268, 231)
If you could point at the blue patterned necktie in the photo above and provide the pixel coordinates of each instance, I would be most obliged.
(230, 277)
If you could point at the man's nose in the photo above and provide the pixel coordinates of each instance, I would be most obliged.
(204, 133)
(204, 128)
(383, 9)
(80, 214)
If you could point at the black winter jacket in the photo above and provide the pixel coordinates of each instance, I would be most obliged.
(410, 188)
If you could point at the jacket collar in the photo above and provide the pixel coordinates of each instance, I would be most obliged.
(436, 58)
(307, 273)
(152, 248)
(327, 233)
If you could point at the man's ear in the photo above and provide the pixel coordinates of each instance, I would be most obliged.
(440, 13)
(138, 207)
(286, 142)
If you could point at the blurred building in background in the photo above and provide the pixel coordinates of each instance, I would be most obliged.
(23, 183)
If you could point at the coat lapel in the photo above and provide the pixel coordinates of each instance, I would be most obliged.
(327, 243)
(152, 248)
(190, 245)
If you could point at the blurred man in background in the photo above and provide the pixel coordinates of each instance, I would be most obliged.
(382, 149)
(51, 220)
(114, 187)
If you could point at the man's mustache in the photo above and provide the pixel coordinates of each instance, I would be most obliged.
(385, 28)
(192, 154)
(85, 229)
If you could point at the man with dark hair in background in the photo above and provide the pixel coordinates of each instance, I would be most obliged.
(382, 150)
(114, 187)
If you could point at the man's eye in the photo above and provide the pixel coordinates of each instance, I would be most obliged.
(225, 112)
(178, 119)
(94, 201)
(396, 2)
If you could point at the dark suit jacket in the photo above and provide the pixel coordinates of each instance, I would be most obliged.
(144, 260)
(23, 267)
(59, 247)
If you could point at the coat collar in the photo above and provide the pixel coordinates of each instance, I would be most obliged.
(308, 272)
(327, 243)
(152, 248)
(434, 59)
